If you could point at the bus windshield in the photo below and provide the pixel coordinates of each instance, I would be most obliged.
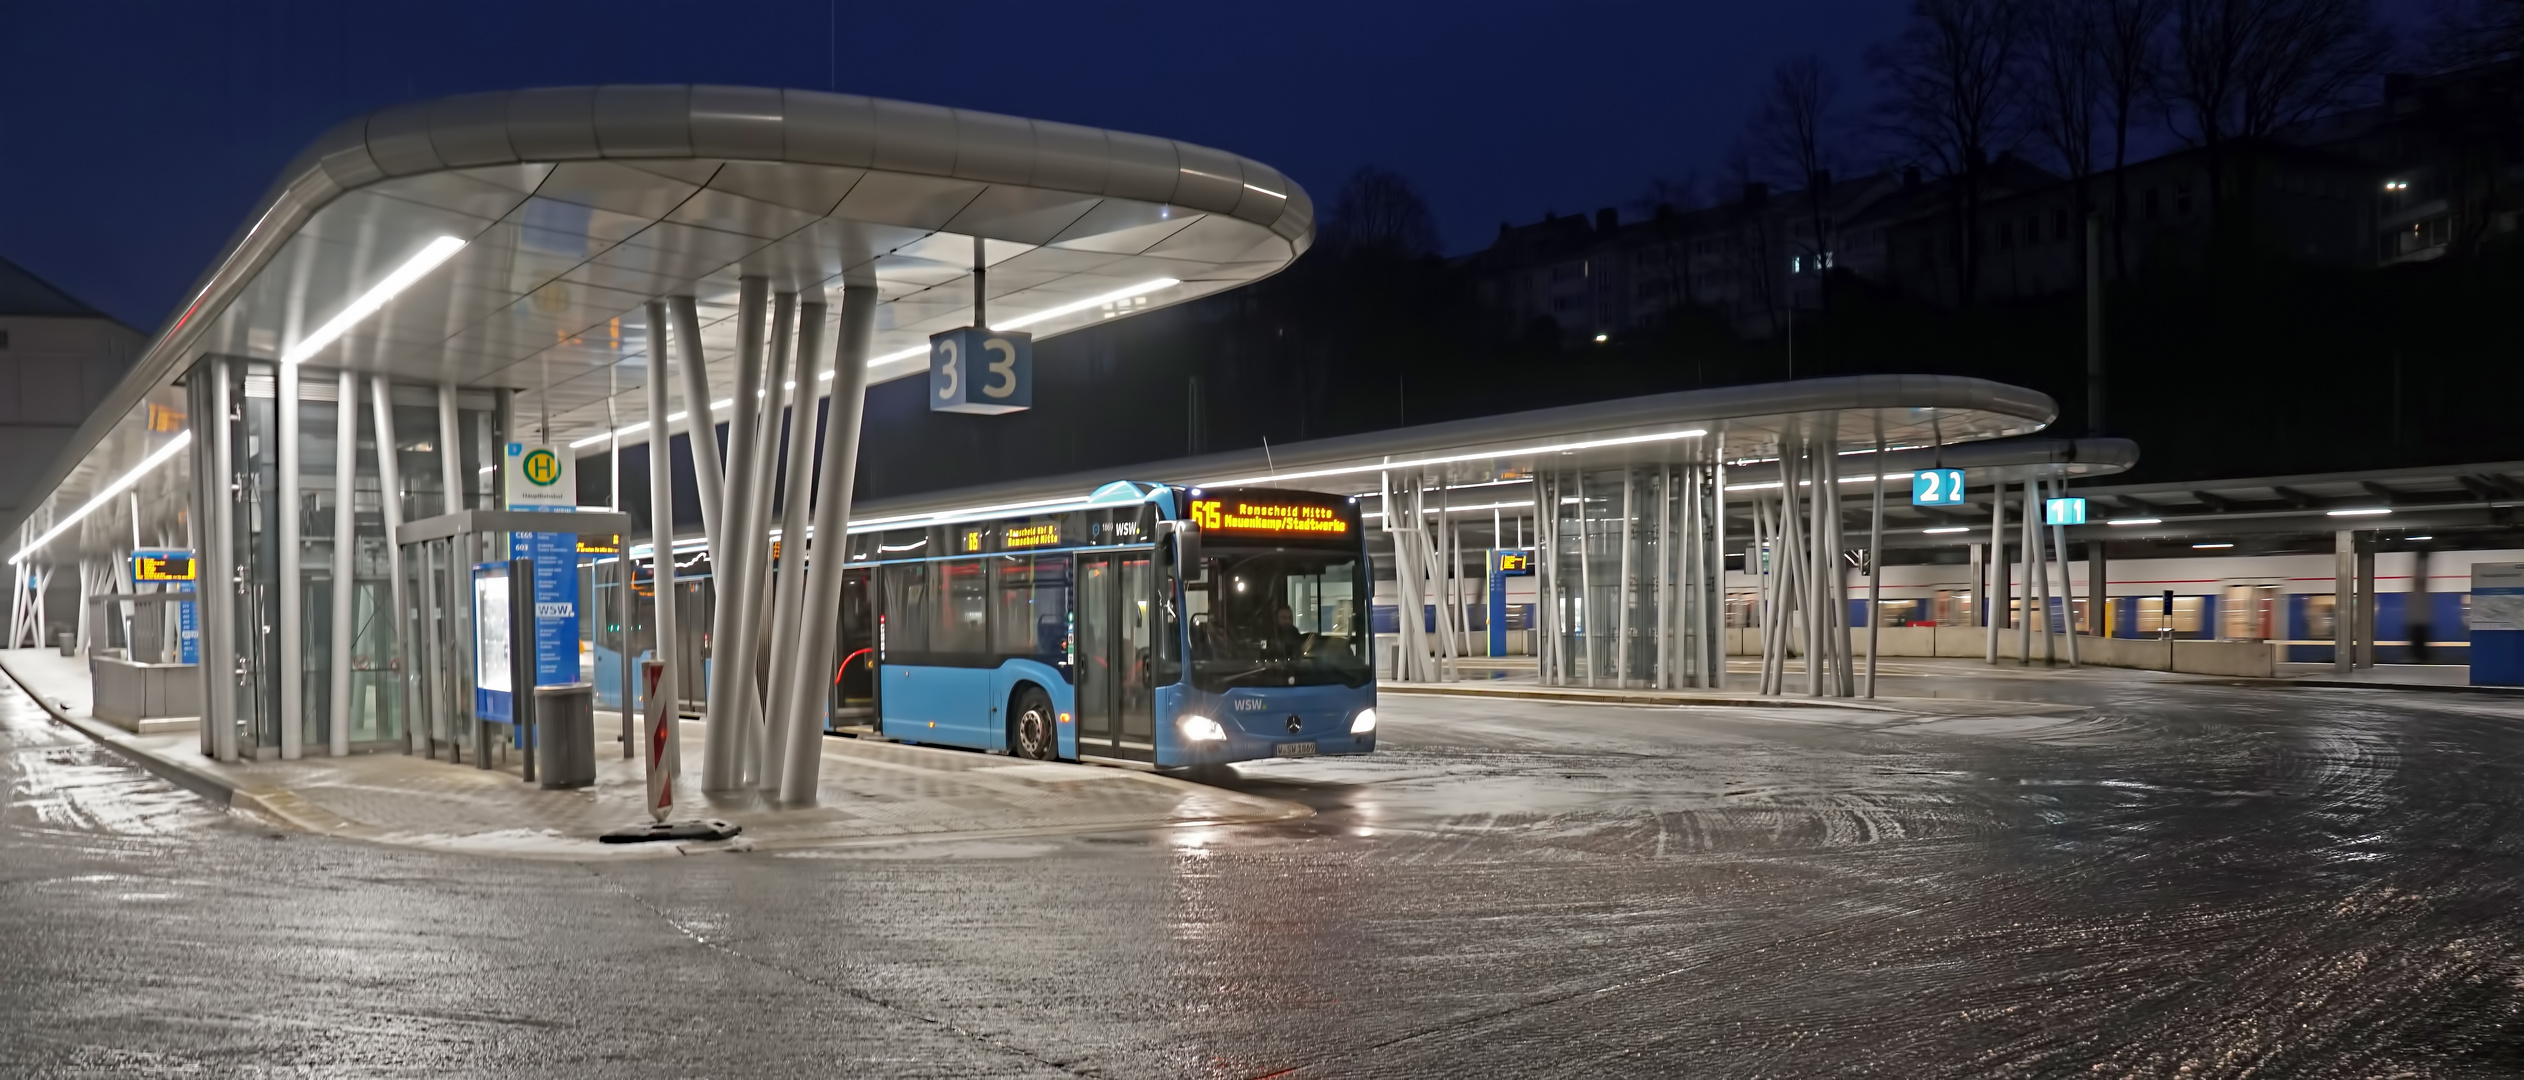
(1277, 617)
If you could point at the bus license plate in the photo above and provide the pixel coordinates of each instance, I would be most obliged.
(1296, 749)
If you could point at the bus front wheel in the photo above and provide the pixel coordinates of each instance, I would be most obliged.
(1032, 729)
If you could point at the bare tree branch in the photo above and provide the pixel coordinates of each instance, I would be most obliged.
(1949, 97)
(2128, 41)
(1381, 211)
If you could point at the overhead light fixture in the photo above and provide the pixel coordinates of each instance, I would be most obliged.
(2204, 547)
(1449, 459)
(1947, 529)
(2135, 521)
(1023, 321)
(2363, 511)
(121, 484)
(2418, 538)
(438, 251)
(1602, 338)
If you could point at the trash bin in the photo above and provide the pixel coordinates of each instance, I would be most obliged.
(68, 642)
(565, 735)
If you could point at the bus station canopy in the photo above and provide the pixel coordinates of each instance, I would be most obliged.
(576, 206)
(1739, 425)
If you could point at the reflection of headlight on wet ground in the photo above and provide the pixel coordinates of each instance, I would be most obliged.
(1201, 729)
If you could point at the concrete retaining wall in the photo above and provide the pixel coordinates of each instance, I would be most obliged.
(2245, 659)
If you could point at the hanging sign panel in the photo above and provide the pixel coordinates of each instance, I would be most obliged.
(979, 370)
(2063, 511)
(1937, 487)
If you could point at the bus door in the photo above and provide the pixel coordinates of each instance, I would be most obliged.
(1116, 710)
(854, 677)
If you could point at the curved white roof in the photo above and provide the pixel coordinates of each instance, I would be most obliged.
(577, 205)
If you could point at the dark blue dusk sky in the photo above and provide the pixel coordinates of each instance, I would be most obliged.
(139, 136)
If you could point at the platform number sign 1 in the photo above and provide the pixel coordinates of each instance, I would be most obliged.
(975, 370)
(1937, 487)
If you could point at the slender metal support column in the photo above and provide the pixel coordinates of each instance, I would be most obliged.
(836, 472)
(1586, 620)
(701, 425)
(1627, 582)
(2029, 536)
(2366, 601)
(1663, 608)
(390, 499)
(438, 701)
(1715, 575)
(797, 489)
(2068, 608)
(345, 570)
(1979, 596)
(1547, 606)
(766, 463)
(218, 581)
(1875, 563)
(2344, 602)
(722, 759)
(293, 640)
(1996, 598)
(456, 704)
(1818, 568)
(662, 535)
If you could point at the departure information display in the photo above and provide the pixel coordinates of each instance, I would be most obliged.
(149, 566)
(1274, 515)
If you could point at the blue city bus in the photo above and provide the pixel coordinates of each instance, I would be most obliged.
(1173, 627)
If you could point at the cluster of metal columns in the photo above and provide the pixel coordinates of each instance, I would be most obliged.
(2040, 575)
(764, 730)
(1800, 558)
(1632, 576)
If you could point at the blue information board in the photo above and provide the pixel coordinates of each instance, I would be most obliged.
(2063, 511)
(556, 602)
(1508, 564)
(1937, 487)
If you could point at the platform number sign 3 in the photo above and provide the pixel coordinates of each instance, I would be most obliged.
(1937, 487)
(973, 370)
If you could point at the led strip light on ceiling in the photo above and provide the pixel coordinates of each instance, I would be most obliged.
(412, 270)
(121, 484)
(432, 254)
(1449, 459)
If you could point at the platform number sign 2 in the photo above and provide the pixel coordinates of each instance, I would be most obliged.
(1937, 487)
(974, 370)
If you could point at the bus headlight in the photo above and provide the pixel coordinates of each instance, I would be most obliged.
(1201, 729)
(1364, 722)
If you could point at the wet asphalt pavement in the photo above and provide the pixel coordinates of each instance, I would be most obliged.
(2143, 879)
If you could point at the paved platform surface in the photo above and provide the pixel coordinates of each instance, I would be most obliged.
(872, 792)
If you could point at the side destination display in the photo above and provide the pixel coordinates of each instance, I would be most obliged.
(1232, 516)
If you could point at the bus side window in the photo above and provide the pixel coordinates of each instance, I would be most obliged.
(906, 608)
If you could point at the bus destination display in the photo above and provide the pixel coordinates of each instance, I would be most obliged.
(1030, 535)
(1248, 517)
